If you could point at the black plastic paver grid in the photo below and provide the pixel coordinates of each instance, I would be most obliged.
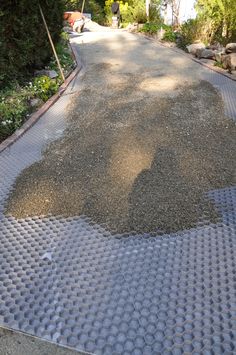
(71, 282)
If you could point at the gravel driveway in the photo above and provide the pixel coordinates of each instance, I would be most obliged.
(146, 139)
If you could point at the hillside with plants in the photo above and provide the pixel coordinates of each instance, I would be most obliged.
(24, 50)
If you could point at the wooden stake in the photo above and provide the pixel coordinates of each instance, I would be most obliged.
(82, 10)
(51, 42)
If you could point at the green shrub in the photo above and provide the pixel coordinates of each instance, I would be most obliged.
(13, 110)
(221, 16)
(153, 28)
(192, 30)
(138, 11)
(219, 65)
(154, 14)
(44, 87)
(65, 57)
(150, 28)
(94, 7)
(130, 11)
(169, 35)
(24, 43)
(15, 100)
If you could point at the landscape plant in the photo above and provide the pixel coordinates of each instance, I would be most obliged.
(15, 99)
(221, 15)
(24, 45)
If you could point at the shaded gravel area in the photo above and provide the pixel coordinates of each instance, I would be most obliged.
(141, 150)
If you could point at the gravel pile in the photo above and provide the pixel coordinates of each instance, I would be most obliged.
(139, 154)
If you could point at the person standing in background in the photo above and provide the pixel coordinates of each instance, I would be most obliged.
(115, 9)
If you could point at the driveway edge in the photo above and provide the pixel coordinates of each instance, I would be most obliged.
(188, 55)
(41, 111)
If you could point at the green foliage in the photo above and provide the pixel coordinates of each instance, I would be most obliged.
(154, 12)
(44, 87)
(76, 5)
(150, 28)
(192, 30)
(65, 57)
(169, 35)
(153, 28)
(219, 65)
(23, 40)
(95, 7)
(131, 11)
(15, 99)
(221, 14)
(13, 109)
(138, 11)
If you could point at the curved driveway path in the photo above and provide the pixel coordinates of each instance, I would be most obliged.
(117, 210)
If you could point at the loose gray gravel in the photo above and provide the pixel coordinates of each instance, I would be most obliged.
(146, 140)
(14, 343)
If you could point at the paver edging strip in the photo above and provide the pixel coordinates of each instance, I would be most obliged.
(36, 115)
(181, 51)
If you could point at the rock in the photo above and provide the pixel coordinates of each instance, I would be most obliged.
(35, 102)
(218, 56)
(229, 61)
(215, 46)
(193, 47)
(230, 48)
(50, 73)
(204, 53)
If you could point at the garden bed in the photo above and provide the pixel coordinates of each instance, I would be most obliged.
(19, 101)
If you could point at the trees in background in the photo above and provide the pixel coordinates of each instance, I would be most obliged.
(24, 44)
(175, 9)
(95, 7)
(220, 16)
(135, 11)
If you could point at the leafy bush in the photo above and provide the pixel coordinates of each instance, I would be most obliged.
(219, 65)
(150, 28)
(96, 10)
(221, 16)
(130, 12)
(192, 30)
(15, 100)
(138, 11)
(13, 110)
(95, 7)
(44, 87)
(65, 57)
(153, 28)
(154, 14)
(170, 35)
(23, 39)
